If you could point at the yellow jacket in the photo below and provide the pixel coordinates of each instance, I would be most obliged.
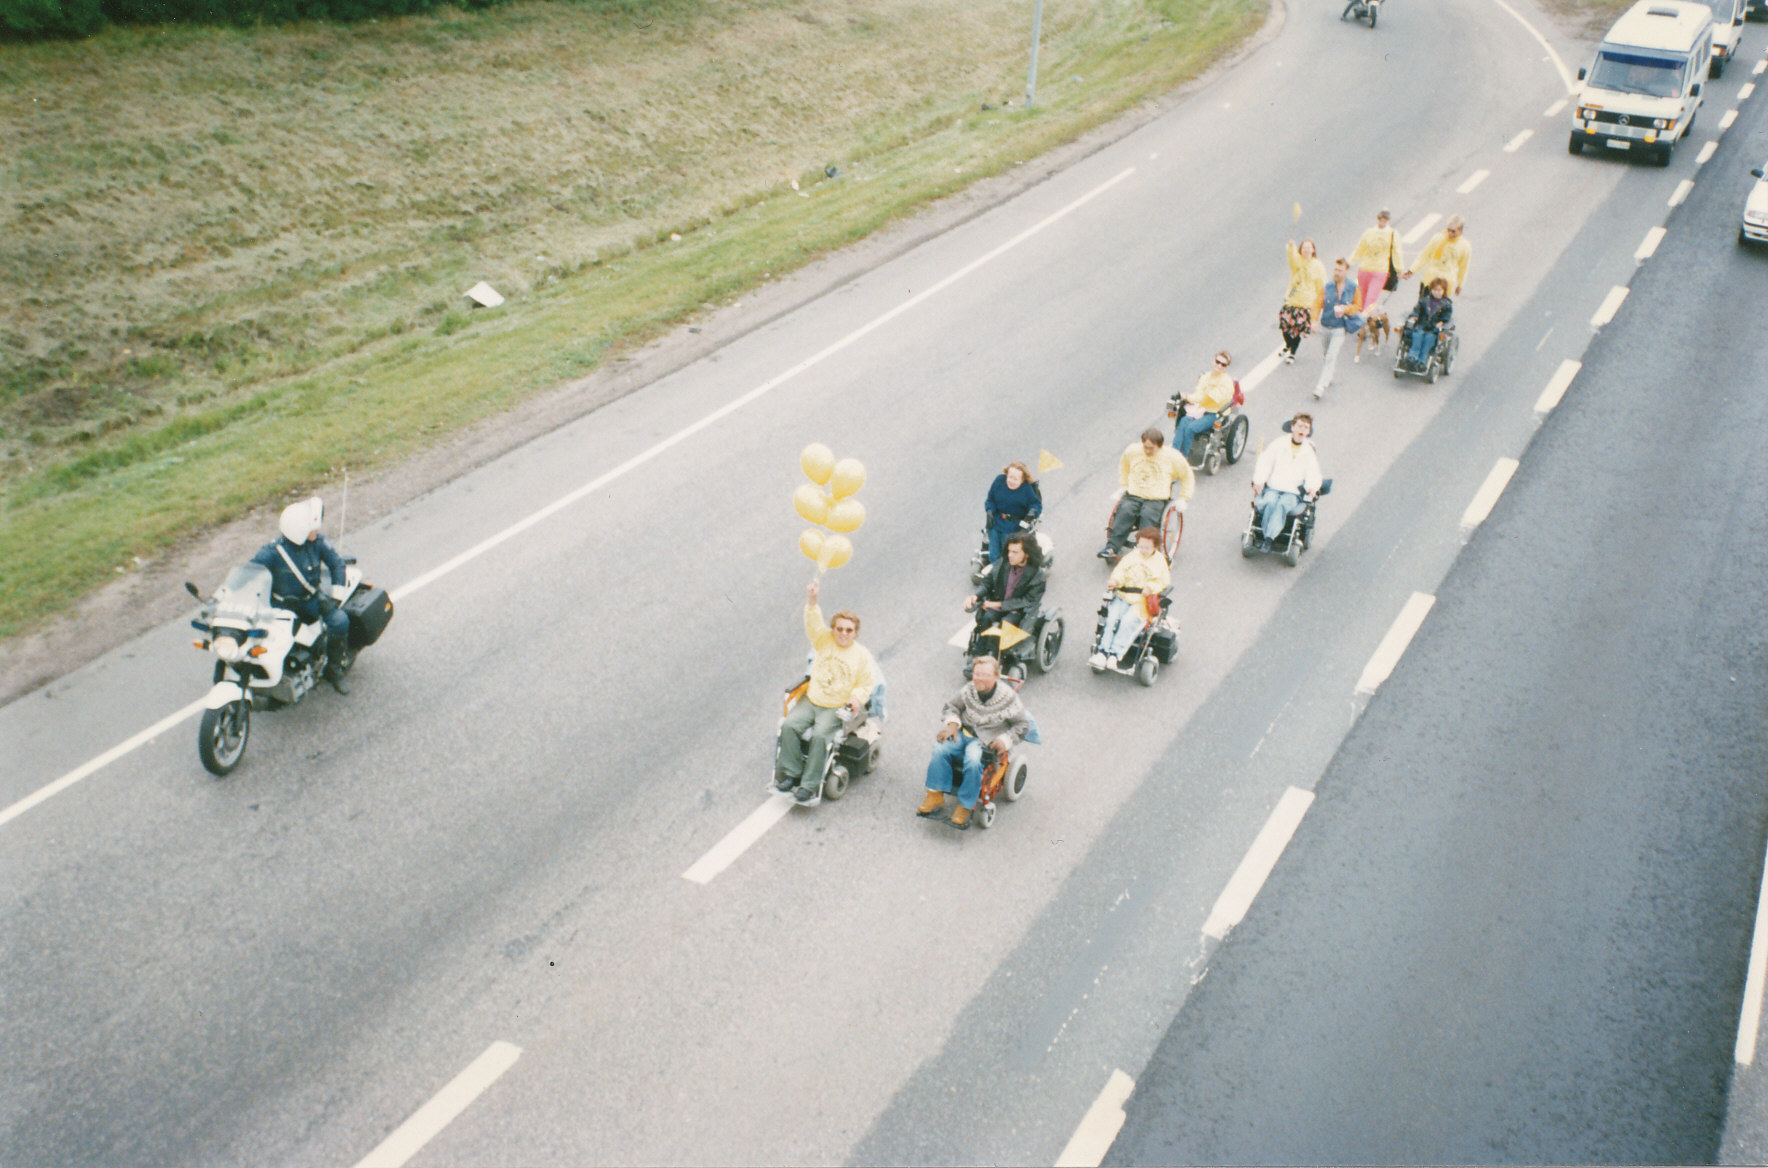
(837, 675)
(1214, 392)
(1152, 478)
(1307, 280)
(1445, 258)
(1372, 250)
(1150, 573)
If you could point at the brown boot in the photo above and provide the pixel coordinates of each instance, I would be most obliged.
(961, 818)
(933, 804)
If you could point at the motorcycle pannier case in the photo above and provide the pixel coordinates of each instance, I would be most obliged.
(369, 611)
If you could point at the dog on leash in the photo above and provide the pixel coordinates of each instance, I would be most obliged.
(1375, 332)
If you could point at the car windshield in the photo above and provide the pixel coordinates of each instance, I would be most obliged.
(1637, 73)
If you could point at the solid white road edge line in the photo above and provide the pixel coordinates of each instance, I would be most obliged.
(1399, 635)
(596, 484)
(1565, 75)
(1648, 247)
(103, 760)
(1611, 304)
(1725, 122)
(1706, 153)
(410, 1137)
(1487, 496)
(1750, 1022)
(1473, 180)
(1423, 225)
(1681, 192)
(1255, 867)
(1099, 1127)
(1515, 144)
(740, 839)
(1553, 110)
(1556, 385)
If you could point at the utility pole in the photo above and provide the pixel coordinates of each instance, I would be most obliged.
(1037, 26)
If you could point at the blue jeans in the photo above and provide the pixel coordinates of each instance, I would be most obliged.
(998, 531)
(337, 621)
(1274, 508)
(1423, 343)
(1188, 428)
(1123, 620)
(939, 768)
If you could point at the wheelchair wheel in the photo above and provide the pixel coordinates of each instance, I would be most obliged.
(1292, 553)
(1172, 529)
(1212, 459)
(1248, 543)
(1013, 671)
(835, 785)
(1373, 13)
(874, 755)
(1431, 365)
(1234, 441)
(984, 815)
(1148, 668)
(1013, 785)
(1049, 643)
(1451, 346)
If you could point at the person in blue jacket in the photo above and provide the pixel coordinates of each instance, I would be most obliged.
(1013, 500)
(296, 584)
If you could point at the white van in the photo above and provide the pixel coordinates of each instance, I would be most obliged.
(1643, 90)
(1727, 28)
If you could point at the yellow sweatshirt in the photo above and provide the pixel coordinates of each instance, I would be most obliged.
(1214, 392)
(1152, 478)
(837, 675)
(1372, 251)
(1150, 573)
(1445, 258)
(1307, 280)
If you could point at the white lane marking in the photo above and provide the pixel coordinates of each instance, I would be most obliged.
(741, 837)
(1255, 867)
(1487, 496)
(1556, 386)
(1261, 371)
(1565, 75)
(1748, 87)
(1473, 180)
(1417, 232)
(1750, 1023)
(1099, 1127)
(1681, 192)
(630, 464)
(1515, 144)
(1725, 122)
(1553, 110)
(961, 638)
(1393, 646)
(1649, 245)
(1706, 152)
(1760, 65)
(1611, 304)
(761, 390)
(410, 1137)
(88, 768)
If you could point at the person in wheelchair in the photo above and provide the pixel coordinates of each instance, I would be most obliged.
(1014, 502)
(986, 712)
(1141, 573)
(1146, 472)
(842, 676)
(1013, 590)
(1286, 474)
(1198, 411)
(1428, 321)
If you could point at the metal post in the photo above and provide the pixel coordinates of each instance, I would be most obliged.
(1037, 26)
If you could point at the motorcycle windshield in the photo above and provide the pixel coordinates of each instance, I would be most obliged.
(244, 597)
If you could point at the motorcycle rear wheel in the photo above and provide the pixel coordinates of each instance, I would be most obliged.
(221, 739)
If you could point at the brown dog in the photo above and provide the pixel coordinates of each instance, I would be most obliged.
(1375, 330)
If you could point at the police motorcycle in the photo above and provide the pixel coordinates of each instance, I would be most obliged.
(267, 658)
(1369, 10)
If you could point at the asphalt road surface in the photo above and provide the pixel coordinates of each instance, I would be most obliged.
(474, 865)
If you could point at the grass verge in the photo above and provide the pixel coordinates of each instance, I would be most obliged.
(244, 249)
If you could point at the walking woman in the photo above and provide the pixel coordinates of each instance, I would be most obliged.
(1307, 282)
(1378, 261)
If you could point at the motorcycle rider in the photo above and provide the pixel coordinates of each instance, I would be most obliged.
(294, 561)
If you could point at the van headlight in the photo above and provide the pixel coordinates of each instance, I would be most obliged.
(1659, 124)
(227, 649)
(1586, 113)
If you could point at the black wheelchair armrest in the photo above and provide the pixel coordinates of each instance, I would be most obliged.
(1325, 488)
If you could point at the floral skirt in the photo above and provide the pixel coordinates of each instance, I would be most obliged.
(1294, 321)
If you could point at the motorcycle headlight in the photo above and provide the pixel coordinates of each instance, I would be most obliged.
(227, 649)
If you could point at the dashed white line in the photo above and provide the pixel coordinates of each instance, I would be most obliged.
(1255, 867)
(1473, 180)
(1487, 496)
(1681, 192)
(741, 837)
(1261, 371)
(1553, 111)
(1103, 1120)
(1748, 87)
(1556, 386)
(1610, 305)
(102, 761)
(410, 1137)
(1515, 144)
(1393, 646)
(1706, 152)
(961, 638)
(1760, 65)
(1725, 122)
(1649, 245)
(1750, 1022)
(1424, 224)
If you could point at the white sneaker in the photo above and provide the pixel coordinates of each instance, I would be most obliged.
(1097, 661)
(1319, 392)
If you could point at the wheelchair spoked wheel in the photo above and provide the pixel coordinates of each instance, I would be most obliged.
(1234, 439)
(1172, 530)
(1049, 643)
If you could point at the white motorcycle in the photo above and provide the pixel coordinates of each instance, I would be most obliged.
(265, 657)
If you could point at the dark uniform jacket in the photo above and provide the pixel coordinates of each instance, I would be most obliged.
(300, 593)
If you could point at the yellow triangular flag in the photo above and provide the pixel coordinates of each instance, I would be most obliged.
(1298, 212)
(1009, 633)
(1047, 461)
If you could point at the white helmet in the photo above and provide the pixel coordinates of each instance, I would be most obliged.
(299, 519)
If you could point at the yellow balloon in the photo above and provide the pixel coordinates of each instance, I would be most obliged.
(817, 461)
(847, 515)
(849, 476)
(837, 550)
(812, 505)
(810, 542)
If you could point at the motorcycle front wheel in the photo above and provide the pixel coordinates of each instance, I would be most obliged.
(221, 739)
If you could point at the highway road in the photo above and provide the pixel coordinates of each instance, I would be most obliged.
(447, 919)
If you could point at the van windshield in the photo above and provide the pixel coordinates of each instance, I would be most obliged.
(1637, 73)
(1724, 11)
